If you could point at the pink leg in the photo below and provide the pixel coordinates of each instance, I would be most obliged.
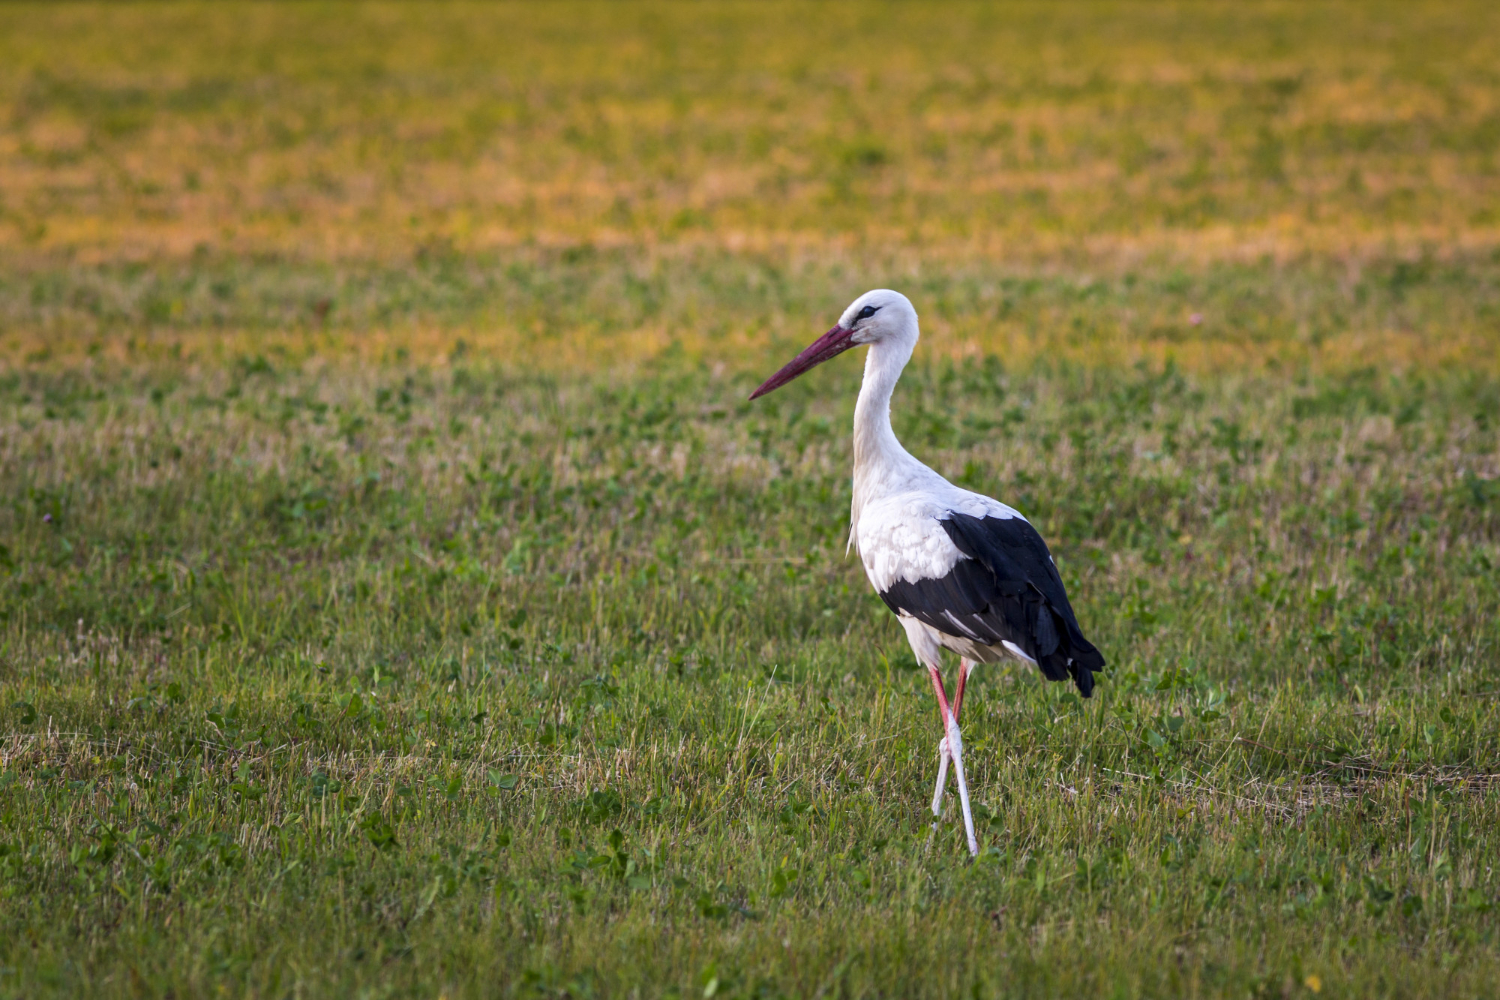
(956, 752)
(965, 667)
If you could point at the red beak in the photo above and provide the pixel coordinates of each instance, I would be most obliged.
(830, 345)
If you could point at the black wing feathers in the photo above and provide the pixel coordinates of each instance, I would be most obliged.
(1008, 589)
(956, 603)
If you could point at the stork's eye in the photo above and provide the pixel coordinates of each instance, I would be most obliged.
(867, 312)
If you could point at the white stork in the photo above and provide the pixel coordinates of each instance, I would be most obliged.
(961, 571)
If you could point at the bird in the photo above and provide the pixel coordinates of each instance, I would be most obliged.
(961, 571)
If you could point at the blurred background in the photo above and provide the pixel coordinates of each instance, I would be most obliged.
(554, 173)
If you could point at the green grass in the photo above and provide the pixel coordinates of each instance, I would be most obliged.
(323, 678)
(392, 609)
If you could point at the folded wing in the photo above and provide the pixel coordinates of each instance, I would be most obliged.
(1003, 589)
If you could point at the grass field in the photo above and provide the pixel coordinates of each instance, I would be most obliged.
(398, 596)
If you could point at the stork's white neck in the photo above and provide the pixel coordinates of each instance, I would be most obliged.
(880, 463)
(875, 444)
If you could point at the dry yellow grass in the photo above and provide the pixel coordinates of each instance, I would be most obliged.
(1061, 133)
(832, 147)
(580, 349)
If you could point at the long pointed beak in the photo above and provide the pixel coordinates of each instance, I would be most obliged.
(830, 345)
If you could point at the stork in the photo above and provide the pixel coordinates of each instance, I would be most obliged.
(961, 571)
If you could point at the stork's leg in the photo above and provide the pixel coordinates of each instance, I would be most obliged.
(942, 780)
(956, 751)
(965, 666)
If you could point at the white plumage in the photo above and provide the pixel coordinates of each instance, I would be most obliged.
(901, 537)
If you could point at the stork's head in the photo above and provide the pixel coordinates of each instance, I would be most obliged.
(873, 318)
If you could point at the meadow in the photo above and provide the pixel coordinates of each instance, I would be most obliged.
(399, 596)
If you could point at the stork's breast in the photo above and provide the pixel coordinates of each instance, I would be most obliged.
(898, 542)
